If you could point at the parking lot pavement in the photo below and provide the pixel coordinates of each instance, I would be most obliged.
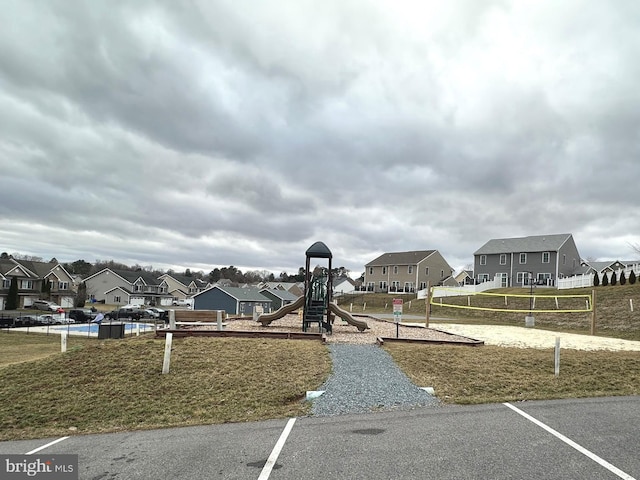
(594, 438)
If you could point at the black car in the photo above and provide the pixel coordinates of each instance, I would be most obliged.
(82, 315)
(124, 314)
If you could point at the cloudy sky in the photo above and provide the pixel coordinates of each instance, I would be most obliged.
(230, 132)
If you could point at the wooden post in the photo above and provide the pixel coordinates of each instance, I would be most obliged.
(593, 312)
(427, 303)
(63, 342)
(172, 319)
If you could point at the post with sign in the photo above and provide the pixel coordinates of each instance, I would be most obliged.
(397, 314)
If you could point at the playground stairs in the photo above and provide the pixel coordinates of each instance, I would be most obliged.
(315, 313)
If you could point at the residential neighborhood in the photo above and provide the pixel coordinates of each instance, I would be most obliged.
(509, 262)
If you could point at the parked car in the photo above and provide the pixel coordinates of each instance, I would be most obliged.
(124, 314)
(54, 319)
(162, 314)
(183, 302)
(47, 306)
(151, 313)
(82, 315)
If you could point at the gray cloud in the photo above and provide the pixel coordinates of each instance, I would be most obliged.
(196, 134)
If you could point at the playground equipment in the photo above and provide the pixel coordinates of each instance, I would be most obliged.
(316, 301)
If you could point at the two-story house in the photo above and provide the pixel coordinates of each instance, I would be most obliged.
(182, 286)
(121, 287)
(46, 280)
(543, 258)
(406, 272)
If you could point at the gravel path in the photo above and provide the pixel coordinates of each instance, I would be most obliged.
(365, 379)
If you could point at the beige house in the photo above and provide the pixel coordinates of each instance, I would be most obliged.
(406, 272)
(181, 286)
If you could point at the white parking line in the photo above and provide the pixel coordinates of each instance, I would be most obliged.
(573, 444)
(45, 446)
(271, 461)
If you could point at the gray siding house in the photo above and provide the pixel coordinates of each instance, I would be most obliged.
(278, 298)
(233, 300)
(406, 272)
(544, 257)
(119, 287)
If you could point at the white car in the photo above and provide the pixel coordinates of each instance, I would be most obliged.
(183, 302)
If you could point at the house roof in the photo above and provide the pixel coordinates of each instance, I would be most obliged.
(400, 258)
(247, 294)
(342, 280)
(538, 243)
(600, 266)
(281, 294)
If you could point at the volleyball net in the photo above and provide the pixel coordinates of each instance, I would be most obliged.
(510, 302)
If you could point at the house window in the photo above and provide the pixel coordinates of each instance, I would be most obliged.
(395, 286)
(370, 270)
(564, 259)
(503, 259)
(116, 299)
(395, 270)
(383, 285)
(483, 277)
(441, 273)
(370, 286)
(483, 259)
(423, 285)
(546, 257)
(410, 269)
(523, 258)
(63, 285)
(408, 287)
(6, 284)
(426, 271)
(384, 270)
(26, 284)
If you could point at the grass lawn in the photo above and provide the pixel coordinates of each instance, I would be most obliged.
(488, 374)
(114, 385)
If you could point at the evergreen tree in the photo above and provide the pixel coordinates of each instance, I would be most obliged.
(614, 278)
(46, 289)
(596, 279)
(12, 297)
(605, 279)
(81, 296)
(623, 278)
(632, 277)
